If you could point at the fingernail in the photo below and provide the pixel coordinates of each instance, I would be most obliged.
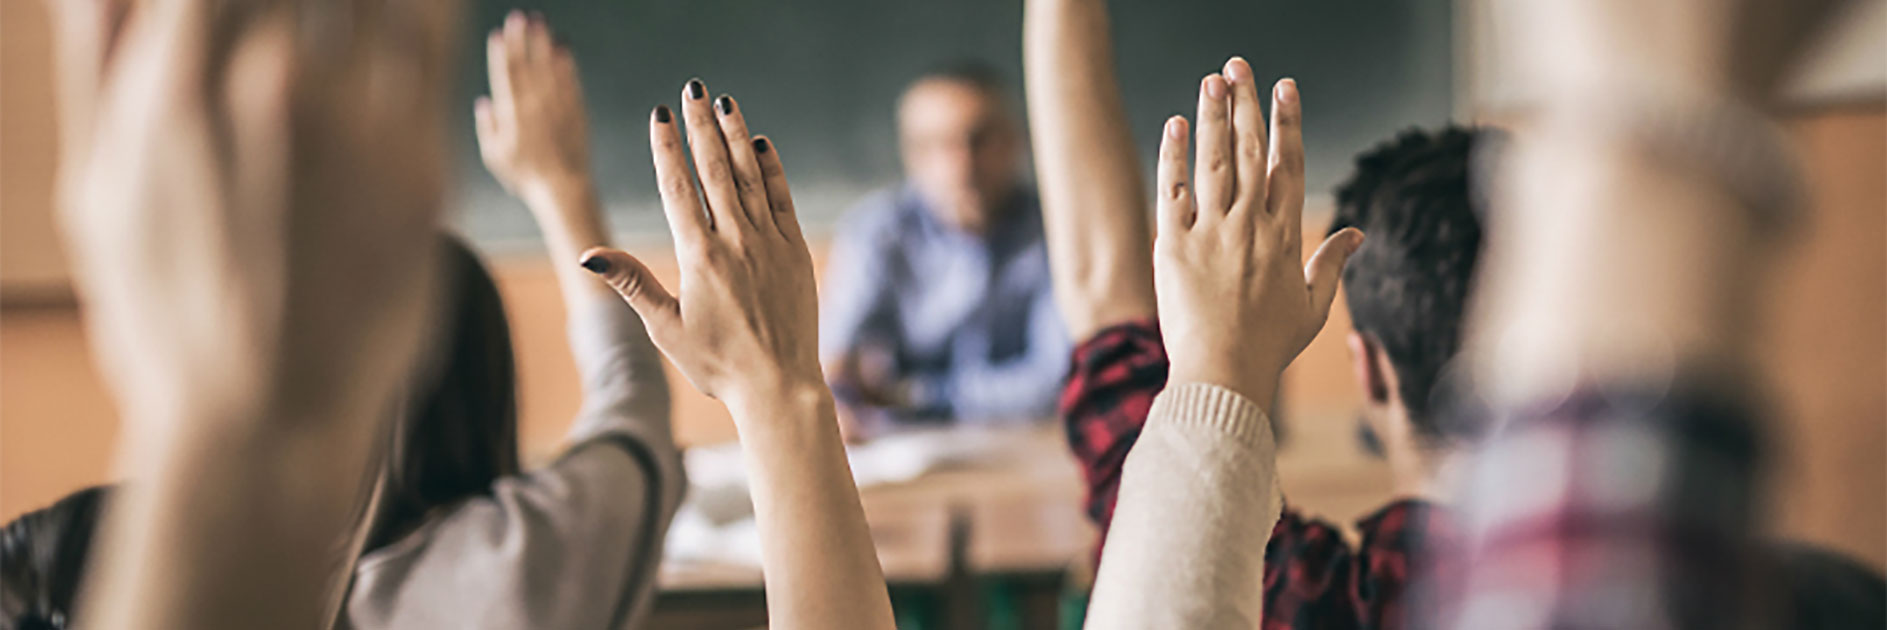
(661, 113)
(1176, 128)
(696, 89)
(724, 104)
(1235, 70)
(760, 145)
(1215, 86)
(596, 264)
(1287, 91)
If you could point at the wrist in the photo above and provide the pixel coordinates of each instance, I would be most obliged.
(780, 401)
(550, 192)
(1258, 385)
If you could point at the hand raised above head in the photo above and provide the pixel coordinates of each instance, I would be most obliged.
(1235, 306)
(745, 322)
(233, 196)
(532, 133)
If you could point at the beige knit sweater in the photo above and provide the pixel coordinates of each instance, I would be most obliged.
(1198, 498)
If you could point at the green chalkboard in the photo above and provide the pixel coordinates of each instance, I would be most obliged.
(821, 77)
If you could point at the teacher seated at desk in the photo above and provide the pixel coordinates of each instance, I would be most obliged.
(937, 305)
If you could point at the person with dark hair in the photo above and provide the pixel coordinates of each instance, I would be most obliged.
(1406, 286)
(936, 305)
(458, 537)
(454, 534)
(1407, 290)
(42, 561)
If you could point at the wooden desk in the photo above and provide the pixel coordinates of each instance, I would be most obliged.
(913, 543)
(1014, 515)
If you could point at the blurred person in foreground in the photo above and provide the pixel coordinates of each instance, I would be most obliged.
(1636, 221)
(456, 535)
(249, 208)
(937, 305)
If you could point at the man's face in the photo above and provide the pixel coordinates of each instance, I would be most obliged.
(961, 149)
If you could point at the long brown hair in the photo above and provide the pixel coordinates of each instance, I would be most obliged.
(461, 432)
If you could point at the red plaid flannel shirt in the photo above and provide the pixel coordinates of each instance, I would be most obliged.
(1616, 507)
(1313, 580)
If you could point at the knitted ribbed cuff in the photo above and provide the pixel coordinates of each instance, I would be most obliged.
(1216, 408)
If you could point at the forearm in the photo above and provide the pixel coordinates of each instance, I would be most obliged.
(1198, 499)
(821, 567)
(570, 216)
(1619, 267)
(232, 516)
(1093, 198)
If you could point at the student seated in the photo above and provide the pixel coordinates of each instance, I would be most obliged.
(457, 534)
(1406, 288)
(1636, 243)
(937, 305)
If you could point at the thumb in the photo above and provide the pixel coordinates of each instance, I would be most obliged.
(635, 283)
(1325, 269)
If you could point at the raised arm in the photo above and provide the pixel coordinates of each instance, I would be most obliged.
(744, 330)
(252, 228)
(574, 543)
(1094, 200)
(534, 138)
(1614, 325)
(1198, 494)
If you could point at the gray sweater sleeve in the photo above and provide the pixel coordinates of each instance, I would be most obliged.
(572, 545)
(1198, 499)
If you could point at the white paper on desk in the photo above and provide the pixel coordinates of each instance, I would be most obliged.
(716, 523)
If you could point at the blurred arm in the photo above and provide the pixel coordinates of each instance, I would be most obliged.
(1094, 201)
(1615, 323)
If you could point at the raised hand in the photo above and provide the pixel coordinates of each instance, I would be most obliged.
(249, 195)
(1235, 307)
(253, 203)
(745, 330)
(531, 130)
(534, 140)
(746, 321)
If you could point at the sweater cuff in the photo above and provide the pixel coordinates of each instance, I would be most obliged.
(1215, 408)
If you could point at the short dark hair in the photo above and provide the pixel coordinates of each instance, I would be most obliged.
(1408, 285)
